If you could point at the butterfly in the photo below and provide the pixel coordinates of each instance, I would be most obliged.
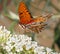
(27, 21)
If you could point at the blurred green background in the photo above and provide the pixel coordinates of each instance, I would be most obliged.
(50, 37)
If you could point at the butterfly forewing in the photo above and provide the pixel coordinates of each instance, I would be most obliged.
(24, 15)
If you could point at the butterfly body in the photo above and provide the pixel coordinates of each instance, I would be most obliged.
(27, 21)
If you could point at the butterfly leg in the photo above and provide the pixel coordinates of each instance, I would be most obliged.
(43, 26)
(22, 26)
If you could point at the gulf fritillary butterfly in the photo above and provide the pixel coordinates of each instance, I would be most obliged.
(27, 21)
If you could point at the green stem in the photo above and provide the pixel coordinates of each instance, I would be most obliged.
(11, 28)
(33, 36)
(5, 6)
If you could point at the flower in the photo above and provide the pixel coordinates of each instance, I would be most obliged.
(20, 44)
(4, 34)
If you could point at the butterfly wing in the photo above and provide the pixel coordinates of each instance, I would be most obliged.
(24, 15)
(42, 19)
(39, 23)
(36, 24)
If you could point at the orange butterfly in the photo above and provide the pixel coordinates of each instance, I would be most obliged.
(27, 21)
